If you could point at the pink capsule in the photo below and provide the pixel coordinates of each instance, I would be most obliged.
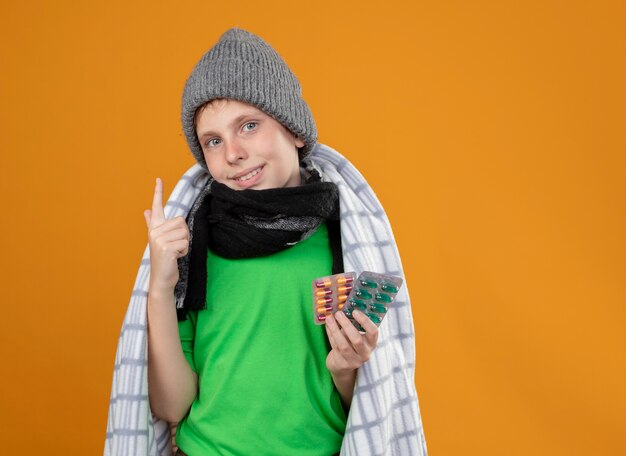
(321, 317)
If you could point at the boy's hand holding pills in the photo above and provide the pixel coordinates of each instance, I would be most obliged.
(353, 331)
(168, 239)
(349, 348)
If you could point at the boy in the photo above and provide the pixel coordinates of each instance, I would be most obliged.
(245, 368)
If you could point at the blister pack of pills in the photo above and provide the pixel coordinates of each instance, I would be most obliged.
(330, 294)
(372, 294)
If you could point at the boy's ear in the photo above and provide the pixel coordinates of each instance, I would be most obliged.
(299, 142)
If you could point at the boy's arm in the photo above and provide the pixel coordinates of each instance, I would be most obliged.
(349, 350)
(345, 386)
(172, 385)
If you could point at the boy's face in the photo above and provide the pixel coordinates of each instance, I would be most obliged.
(246, 148)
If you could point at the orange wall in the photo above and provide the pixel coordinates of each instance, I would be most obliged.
(493, 133)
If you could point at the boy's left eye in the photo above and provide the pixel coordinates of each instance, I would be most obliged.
(249, 126)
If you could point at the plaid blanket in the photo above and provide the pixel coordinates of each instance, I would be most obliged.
(384, 418)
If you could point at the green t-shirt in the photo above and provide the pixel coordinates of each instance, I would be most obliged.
(264, 388)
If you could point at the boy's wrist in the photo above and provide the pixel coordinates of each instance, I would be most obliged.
(343, 374)
(158, 292)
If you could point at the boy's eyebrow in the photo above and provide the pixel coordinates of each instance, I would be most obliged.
(237, 120)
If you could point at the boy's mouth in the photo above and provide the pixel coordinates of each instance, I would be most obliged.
(249, 175)
(247, 178)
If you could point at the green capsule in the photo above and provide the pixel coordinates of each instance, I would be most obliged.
(359, 304)
(348, 312)
(375, 318)
(378, 308)
(361, 293)
(389, 287)
(383, 297)
(368, 283)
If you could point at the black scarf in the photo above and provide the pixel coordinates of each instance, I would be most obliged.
(254, 223)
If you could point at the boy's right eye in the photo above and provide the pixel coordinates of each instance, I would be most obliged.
(213, 142)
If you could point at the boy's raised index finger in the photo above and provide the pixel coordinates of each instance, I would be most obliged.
(157, 202)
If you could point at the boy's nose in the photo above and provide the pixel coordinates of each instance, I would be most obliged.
(235, 151)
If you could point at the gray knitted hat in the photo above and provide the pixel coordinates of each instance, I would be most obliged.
(241, 66)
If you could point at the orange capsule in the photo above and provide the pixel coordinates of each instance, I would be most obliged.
(324, 292)
(324, 309)
(346, 279)
(342, 298)
(340, 306)
(344, 289)
(323, 283)
(322, 301)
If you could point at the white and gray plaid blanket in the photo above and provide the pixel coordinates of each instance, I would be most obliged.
(384, 418)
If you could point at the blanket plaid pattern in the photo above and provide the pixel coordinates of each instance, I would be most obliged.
(384, 418)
